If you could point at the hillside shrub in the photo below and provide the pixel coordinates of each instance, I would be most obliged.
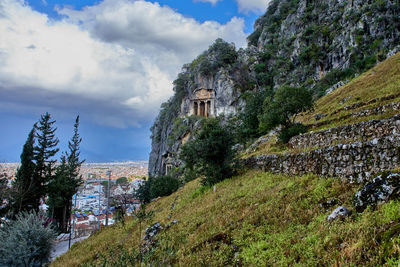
(282, 110)
(210, 152)
(293, 130)
(26, 241)
(122, 180)
(248, 118)
(163, 186)
(157, 187)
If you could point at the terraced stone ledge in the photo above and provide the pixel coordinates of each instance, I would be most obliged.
(356, 162)
(362, 131)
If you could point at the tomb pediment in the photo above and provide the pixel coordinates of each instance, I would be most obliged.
(203, 94)
(203, 102)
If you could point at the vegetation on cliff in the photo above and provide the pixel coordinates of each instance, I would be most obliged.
(258, 218)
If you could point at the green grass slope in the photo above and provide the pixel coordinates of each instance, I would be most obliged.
(255, 219)
(262, 219)
(375, 88)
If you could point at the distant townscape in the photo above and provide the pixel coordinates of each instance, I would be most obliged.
(128, 169)
(90, 202)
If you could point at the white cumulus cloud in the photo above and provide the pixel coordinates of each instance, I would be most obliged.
(114, 61)
(213, 2)
(256, 6)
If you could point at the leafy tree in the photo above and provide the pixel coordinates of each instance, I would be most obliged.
(225, 52)
(122, 180)
(143, 193)
(249, 117)
(157, 187)
(282, 110)
(210, 153)
(27, 191)
(163, 186)
(44, 153)
(26, 241)
(66, 181)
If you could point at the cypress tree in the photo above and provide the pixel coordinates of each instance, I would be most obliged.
(26, 189)
(66, 181)
(4, 193)
(44, 153)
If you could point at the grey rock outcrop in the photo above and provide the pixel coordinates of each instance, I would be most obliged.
(381, 189)
(320, 36)
(222, 81)
(339, 213)
(317, 44)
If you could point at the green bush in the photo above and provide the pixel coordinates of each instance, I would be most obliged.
(249, 116)
(210, 152)
(283, 108)
(163, 186)
(293, 130)
(122, 180)
(26, 241)
(157, 187)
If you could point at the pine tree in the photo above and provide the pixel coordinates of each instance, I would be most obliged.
(66, 181)
(26, 190)
(44, 153)
(4, 193)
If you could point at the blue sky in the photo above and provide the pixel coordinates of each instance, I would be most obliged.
(112, 62)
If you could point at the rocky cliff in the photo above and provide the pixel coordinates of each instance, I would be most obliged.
(207, 87)
(306, 41)
(317, 44)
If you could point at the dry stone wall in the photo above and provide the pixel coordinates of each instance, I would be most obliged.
(362, 113)
(362, 131)
(355, 162)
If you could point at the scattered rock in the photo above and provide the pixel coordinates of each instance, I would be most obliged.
(152, 231)
(380, 189)
(171, 224)
(334, 87)
(253, 147)
(317, 117)
(344, 100)
(339, 213)
(329, 204)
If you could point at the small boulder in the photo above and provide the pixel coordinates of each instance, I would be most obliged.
(153, 230)
(317, 117)
(379, 190)
(341, 212)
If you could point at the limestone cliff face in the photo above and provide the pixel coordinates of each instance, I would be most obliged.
(208, 87)
(306, 40)
(316, 44)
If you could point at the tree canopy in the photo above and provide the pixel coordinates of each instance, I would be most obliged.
(282, 110)
(210, 152)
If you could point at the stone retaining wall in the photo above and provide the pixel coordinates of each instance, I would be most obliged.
(362, 113)
(362, 131)
(355, 162)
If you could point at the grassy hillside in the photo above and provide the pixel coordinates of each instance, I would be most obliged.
(261, 218)
(377, 87)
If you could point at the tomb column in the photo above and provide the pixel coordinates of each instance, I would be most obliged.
(199, 108)
(205, 109)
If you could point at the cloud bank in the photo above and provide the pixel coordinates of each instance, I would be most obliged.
(114, 62)
(256, 6)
